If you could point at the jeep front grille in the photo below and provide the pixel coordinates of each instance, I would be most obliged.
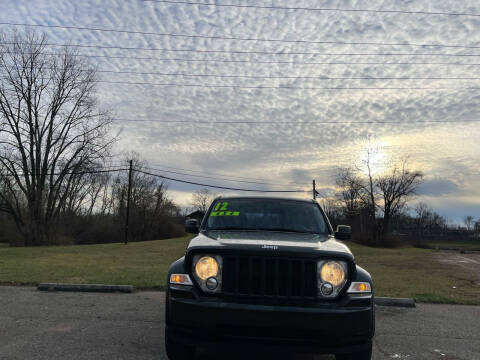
(269, 277)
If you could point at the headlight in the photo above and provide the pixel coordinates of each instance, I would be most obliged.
(207, 270)
(206, 267)
(333, 273)
(332, 276)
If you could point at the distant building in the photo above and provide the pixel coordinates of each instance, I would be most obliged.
(197, 215)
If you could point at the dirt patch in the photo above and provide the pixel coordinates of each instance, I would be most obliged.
(468, 262)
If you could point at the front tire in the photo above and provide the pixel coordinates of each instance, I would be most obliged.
(362, 355)
(176, 350)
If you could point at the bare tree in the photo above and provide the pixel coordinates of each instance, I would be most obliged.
(350, 186)
(422, 210)
(333, 209)
(396, 187)
(97, 187)
(151, 211)
(51, 131)
(468, 221)
(423, 214)
(358, 189)
(428, 221)
(368, 192)
(385, 193)
(202, 199)
(477, 226)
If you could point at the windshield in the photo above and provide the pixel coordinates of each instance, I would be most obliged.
(266, 215)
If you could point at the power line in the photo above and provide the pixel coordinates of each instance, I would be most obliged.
(262, 52)
(217, 37)
(299, 122)
(271, 7)
(141, 48)
(159, 167)
(290, 87)
(319, 77)
(148, 58)
(218, 174)
(324, 54)
(284, 86)
(65, 173)
(268, 87)
(211, 173)
(163, 177)
(219, 187)
(216, 178)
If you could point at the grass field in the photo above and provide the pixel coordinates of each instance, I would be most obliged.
(402, 272)
(143, 264)
(415, 273)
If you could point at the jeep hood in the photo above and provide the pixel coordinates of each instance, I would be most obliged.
(268, 242)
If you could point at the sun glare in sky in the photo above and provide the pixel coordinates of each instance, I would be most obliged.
(373, 153)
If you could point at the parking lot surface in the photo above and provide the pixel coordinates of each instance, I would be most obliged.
(39, 325)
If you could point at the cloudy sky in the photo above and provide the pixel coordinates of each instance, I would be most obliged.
(260, 101)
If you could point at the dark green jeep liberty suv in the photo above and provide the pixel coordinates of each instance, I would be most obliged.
(269, 272)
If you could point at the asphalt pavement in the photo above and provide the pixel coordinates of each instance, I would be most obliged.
(78, 326)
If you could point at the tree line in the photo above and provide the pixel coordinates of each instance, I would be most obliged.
(95, 211)
(55, 145)
(376, 204)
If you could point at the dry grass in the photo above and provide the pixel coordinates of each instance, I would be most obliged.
(416, 273)
(143, 264)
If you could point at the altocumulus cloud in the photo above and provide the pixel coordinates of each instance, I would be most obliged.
(294, 149)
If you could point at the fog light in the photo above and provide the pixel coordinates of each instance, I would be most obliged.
(211, 283)
(326, 289)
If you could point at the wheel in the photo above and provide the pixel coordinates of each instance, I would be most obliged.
(176, 350)
(362, 355)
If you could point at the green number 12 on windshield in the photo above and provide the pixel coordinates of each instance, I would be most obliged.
(221, 210)
(221, 206)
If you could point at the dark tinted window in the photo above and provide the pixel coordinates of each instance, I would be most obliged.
(266, 214)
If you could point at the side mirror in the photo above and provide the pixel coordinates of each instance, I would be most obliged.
(344, 232)
(191, 226)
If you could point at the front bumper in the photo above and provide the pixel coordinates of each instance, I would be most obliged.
(332, 327)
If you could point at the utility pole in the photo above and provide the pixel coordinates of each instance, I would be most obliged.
(314, 190)
(129, 191)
